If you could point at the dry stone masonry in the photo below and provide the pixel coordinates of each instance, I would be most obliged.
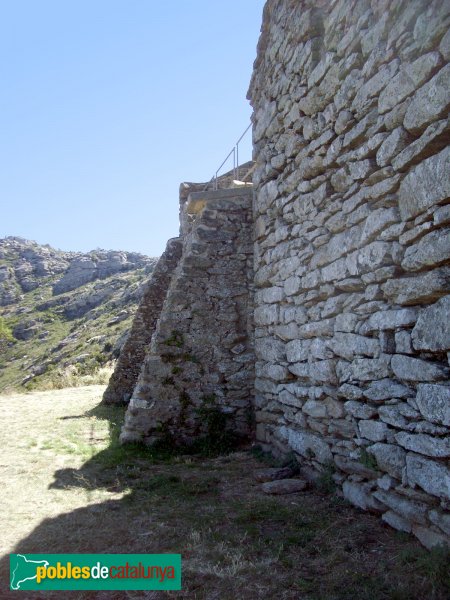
(201, 357)
(132, 354)
(352, 312)
(321, 305)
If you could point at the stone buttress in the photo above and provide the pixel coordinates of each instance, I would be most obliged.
(201, 352)
(129, 364)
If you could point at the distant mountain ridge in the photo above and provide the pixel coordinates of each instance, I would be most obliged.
(64, 311)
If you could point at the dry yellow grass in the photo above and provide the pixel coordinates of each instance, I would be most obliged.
(67, 487)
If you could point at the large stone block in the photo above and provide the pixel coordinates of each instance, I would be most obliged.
(298, 350)
(266, 315)
(359, 410)
(390, 458)
(361, 495)
(429, 103)
(432, 330)
(430, 251)
(315, 409)
(424, 444)
(307, 444)
(347, 345)
(426, 185)
(412, 511)
(270, 349)
(430, 538)
(364, 369)
(442, 520)
(392, 145)
(396, 521)
(389, 319)
(431, 476)
(433, 401)
(378, 221)
(375, 431)
(386, 389)
(419, 288)
(409, 78)
(433, 139)
(416, 369)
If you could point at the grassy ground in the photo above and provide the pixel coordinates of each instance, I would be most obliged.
(69, 487)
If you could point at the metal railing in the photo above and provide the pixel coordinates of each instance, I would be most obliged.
(235, 153)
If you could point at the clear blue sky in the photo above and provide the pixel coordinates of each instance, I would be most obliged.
(107, 105)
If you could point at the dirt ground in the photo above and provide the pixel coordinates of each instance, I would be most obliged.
(68, 487)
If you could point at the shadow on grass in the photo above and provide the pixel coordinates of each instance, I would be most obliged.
(235, 541)
(141, 475)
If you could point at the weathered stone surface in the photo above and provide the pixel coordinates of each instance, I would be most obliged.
(444, 46)
(122, 382)
(432, 330)
(352, 392)
(360, 495)
(397, 415)
(284, 486)
(431, 476)
(425, 185)
(374, 431)
(415, 369)
(306, 444)
(424, 444)
(364, 369)
(419, 288)
(410, 77)
(430, 102)
(441, 519)
(361, 210)
(431, 250)
(389, 319)
(391, 146)
(385, 389)
(431, 141)
(396, 521)
(433, 402)
(354, 467)
(315, 409)
(348, 345)
(412, 511)
(298, 350)
(390, 458)
(430, 538)
(359, 410)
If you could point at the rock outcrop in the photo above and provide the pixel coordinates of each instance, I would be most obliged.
(50, 316)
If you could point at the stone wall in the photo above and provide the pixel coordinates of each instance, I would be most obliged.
(352, 250)
(125, 376)
(201, 353)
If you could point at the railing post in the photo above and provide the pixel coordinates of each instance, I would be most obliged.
(235, 153)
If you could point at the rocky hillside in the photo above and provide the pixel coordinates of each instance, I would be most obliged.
(64, 313)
